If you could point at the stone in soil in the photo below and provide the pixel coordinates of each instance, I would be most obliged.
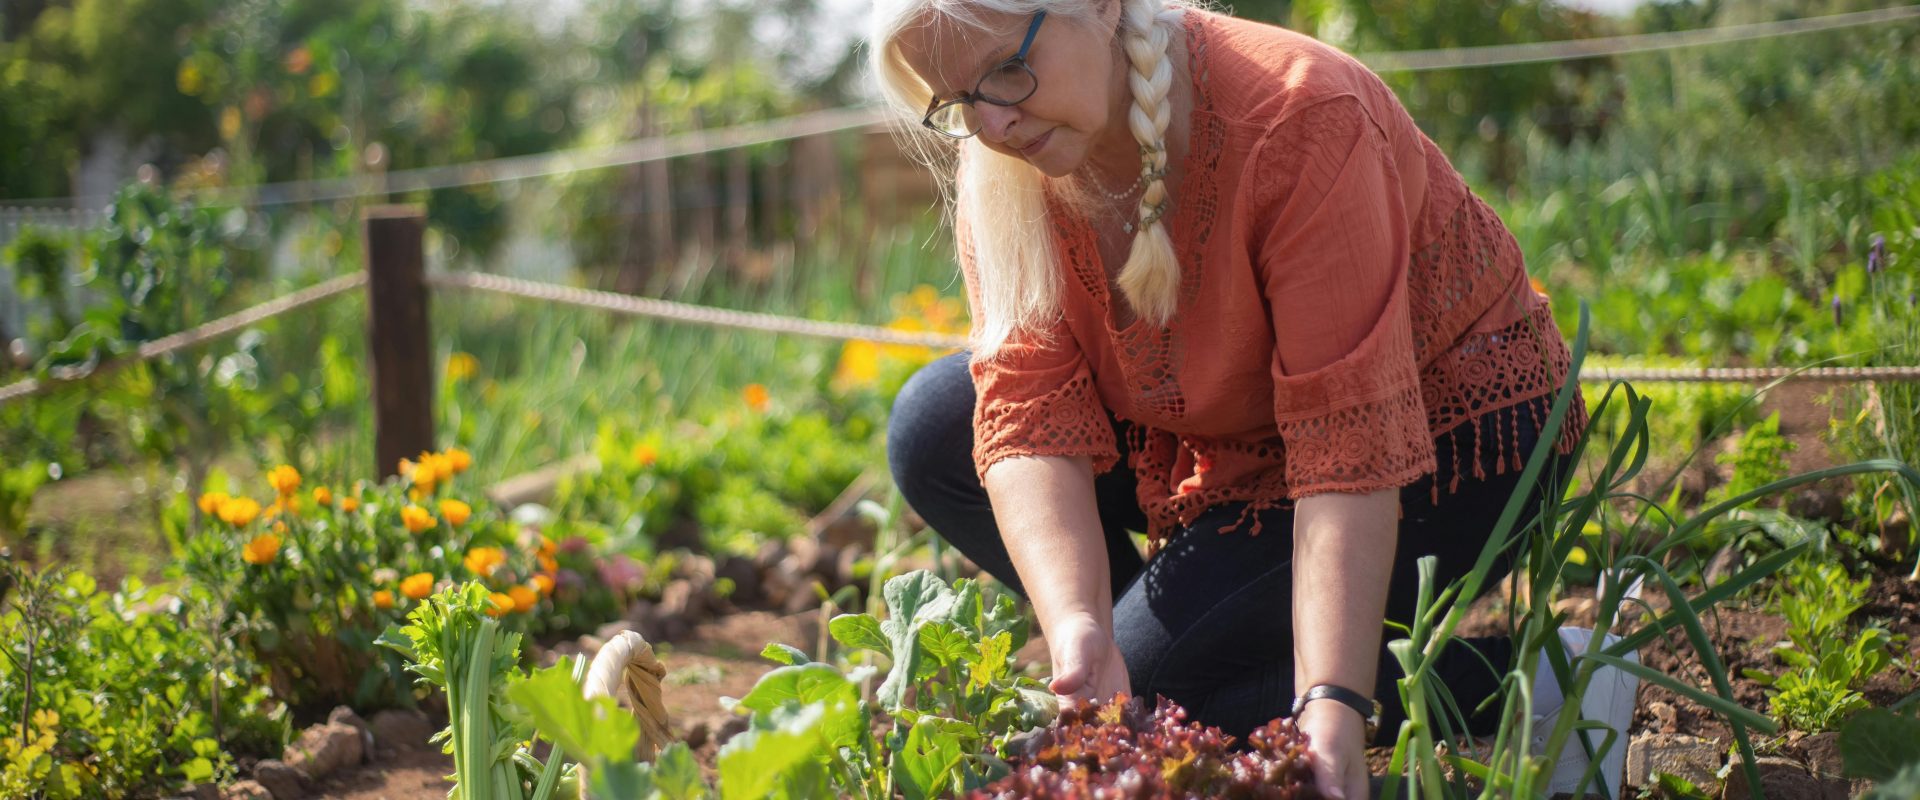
(401, 729)
(1690, 757)
(283, 780)
(246, 790)
(343, 715)
(1783, 778)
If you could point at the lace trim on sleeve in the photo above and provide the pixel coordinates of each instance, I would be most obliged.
(1377, 443)
(1068, 421)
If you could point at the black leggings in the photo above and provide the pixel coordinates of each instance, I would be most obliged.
(1208, 621)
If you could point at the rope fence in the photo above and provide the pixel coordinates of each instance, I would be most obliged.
(224, 326)
(396, 279)
(688, 313)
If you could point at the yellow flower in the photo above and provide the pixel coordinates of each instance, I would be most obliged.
(239, 511)
(524, 598)
(455, 512)
(859, 363)
(210, 502)
(383, 599)
(645, 455)
(284, 479)
(461, 366)
(416, 518)
(543, 583)
(322, 496)
(418, 585)
(349, 504)
(279, 526)
(483, 561)
(459, 459)
(756, 397)
(501, 605)
(262, 549)
(189, 79)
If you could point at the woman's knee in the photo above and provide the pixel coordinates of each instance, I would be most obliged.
(930, 431)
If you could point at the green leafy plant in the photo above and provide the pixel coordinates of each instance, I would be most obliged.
(1550, 530)
(1824, 662)
(123, 693)
(455, 644)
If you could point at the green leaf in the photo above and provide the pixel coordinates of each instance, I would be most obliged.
(1007, 617)
(197, 770)
(589, 730)
(786, 760)
(912, 599)
(991, 661)
(928, 764)
(860, 631)
(784, 654)
(844, 722)
(945, 643)
(1878, 743)
(676, 776)
(1904, 785)
(803, 684)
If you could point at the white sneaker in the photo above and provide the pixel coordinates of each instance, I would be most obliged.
(1609, 699)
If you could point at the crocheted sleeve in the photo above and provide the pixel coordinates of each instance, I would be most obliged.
(1331, 229)
(1036, 397)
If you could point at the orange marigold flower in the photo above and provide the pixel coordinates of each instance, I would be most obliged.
(547, 563)
(524, 598)
(483, 561)
(455, 512)
(543, 583)
(756, 397)
(284, 479)
(547, 546)
(1537, 285)
(459, 460)
(416, 518)
(322, 496)
(502, 604)
(210, 502)
(418, 585)
(239, 511)
(645, 455)
(383, 599)
(349, 504)
(262, 549)
(279, 526)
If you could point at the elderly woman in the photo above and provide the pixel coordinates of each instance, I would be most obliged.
(1220, 253)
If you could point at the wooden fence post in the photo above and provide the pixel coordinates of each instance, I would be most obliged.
(392, 241)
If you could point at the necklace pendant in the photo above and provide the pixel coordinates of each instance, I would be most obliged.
(1126, 226)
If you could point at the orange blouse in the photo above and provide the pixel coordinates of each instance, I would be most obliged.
(1344, 301)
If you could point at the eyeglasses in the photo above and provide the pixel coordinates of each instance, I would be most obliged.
(1006, 85)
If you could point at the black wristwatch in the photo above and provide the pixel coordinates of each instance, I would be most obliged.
(1367, 707)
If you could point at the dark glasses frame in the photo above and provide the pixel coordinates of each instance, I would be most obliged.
(936, 105)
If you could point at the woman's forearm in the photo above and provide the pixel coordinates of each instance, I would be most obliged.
(1343, 557)
(1051, 525)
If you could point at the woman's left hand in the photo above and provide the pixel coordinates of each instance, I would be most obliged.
(1336, 736)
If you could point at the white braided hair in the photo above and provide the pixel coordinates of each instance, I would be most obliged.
(1003, 198)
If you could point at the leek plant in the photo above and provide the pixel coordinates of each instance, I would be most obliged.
(1545, 543)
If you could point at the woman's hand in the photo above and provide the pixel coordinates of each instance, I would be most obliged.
(1336, 737)
(1086, 662)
